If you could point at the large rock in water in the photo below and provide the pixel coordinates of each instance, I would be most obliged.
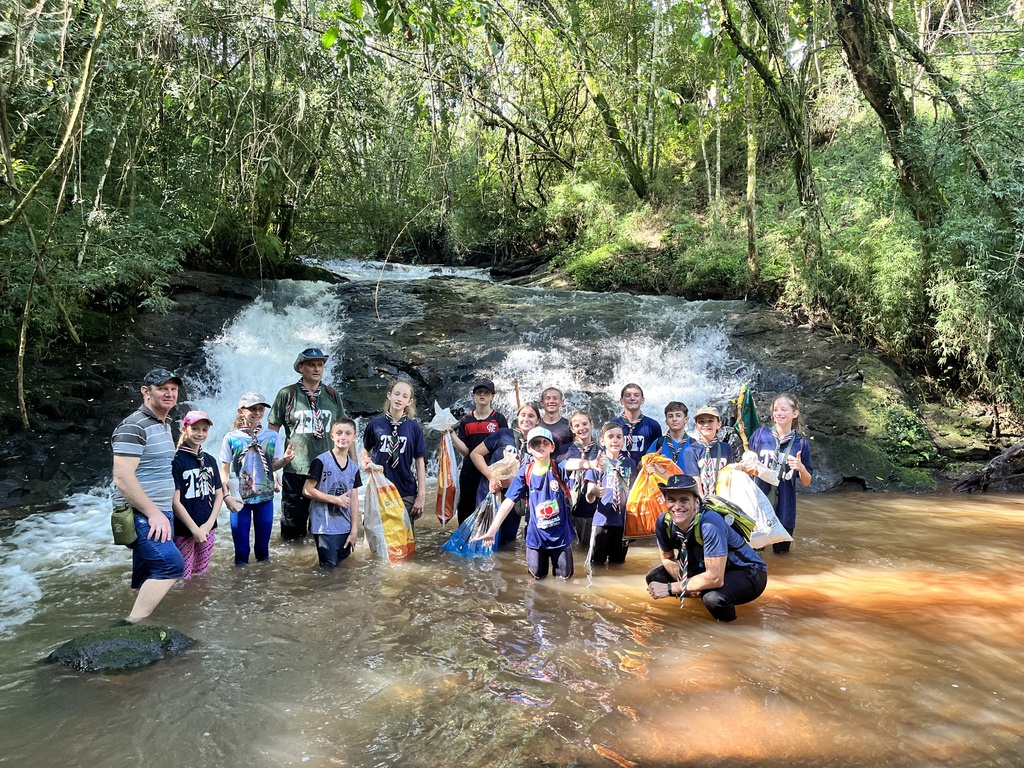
(121, 648)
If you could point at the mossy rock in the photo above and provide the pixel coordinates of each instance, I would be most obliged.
(121, 648)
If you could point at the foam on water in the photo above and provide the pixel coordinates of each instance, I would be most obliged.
(673, 351)
(372, 271)
(41, 548)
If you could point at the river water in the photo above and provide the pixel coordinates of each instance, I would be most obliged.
(892, 635)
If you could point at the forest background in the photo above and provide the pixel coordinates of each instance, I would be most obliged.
(859, 164)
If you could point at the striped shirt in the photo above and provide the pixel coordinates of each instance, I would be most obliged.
(148, 438)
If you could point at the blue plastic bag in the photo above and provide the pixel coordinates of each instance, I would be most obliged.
(477, 523)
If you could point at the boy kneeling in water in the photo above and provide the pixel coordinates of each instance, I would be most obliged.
(549, 528)
(702, 556)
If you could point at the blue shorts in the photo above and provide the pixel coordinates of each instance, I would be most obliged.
(154, 559)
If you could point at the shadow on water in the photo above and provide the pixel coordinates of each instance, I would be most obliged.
(891, 635)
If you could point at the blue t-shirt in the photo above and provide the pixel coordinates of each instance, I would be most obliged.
(617, 477)
(581, 507)
(640, 436)
(334, 480)
(705, 462)
(252, 462)
(766, 445)
(196, 479)
(671, 448)
(378, 439)
(719, 539)
(549, 521)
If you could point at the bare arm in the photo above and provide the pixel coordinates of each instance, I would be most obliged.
(421, 488)
(310, 491)
(479, 459)
(712, 578)
(460, 446)
(668, 559)
(353, 537)
(180, 513)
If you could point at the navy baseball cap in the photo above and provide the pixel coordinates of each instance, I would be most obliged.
(159, 376)
(679, 483)
(309, 353)
(483, 384)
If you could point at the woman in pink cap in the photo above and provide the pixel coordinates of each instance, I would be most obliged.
(198, 495)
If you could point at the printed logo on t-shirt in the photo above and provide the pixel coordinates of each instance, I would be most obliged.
(198, 482)
(492, 427)
(635, 443)
(392, 444)
(553, 485)
(547, 514)
(307, 423)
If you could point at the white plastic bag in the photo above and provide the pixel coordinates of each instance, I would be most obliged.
(442, 420)
(738, 487)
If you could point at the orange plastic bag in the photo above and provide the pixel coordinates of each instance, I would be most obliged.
(645, 503)
(385, 521)
(447, 481)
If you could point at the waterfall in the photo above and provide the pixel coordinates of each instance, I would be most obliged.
(588, 345)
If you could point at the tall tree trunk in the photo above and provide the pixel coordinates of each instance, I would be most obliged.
(871, 60)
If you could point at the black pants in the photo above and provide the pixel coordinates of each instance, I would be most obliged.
(582, 526)
(608, 545)
(469, 482)
(294, 507)
(742, 585)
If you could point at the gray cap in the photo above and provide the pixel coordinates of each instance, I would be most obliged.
(539, 432)
(250, 399)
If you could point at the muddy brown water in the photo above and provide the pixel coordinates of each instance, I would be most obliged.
(892, 635)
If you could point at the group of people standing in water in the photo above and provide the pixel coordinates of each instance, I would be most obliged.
(572, 484)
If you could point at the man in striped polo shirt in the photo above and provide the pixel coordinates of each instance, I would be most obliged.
(143, 450)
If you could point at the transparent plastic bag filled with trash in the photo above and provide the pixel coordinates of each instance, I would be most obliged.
(735, 485)
(447, 477)
(461, 542)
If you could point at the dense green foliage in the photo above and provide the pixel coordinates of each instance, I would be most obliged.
(630, 143)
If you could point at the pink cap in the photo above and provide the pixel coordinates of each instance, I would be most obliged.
(193, 416)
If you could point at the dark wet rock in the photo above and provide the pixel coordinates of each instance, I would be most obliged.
(440, 332)
(1004, 473)
(121, 648)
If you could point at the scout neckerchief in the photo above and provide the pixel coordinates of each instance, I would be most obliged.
(204, 483)
(313, 397)
(254, 444)
(616, 477)
(587, 453)
(790, 442)
(708, 471)
(394, 454)
(630, 426)
(673, 452)
(519, 442)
